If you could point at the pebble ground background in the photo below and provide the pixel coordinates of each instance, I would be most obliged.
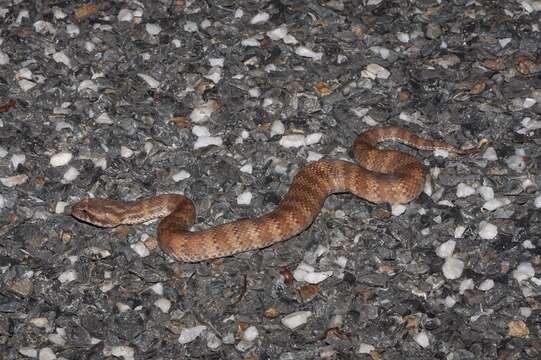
(224, 101)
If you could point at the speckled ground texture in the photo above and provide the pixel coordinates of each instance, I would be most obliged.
(224, 101)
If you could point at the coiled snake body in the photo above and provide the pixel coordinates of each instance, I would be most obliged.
(381, 176)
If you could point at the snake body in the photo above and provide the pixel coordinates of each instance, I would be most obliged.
(380, 176)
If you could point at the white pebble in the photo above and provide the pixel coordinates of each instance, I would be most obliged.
(246, 168)
(72, 30)
(260, 18)
(525, 311)
(151, 82)
(163, 304)
(205, 141)
(516, 163)
(125, 152)
(421, 338)
(87, 85)
(190, 27)
(141, 249)
(365, 348)
(487, 230)
(446, 249)
(290, 40)
(15, 180)
(125, 352)
(398, 209)
(403, 37)
(466, 284)
(449, 301)
(41, 322)
(305, 52)
(60, 57)
(313, 138)
(486, 285)
(47, 354)
(3, 152)
(60, 206)
(213, 341)
(239, 13)
(313, 156)
(373, 71)
(203, 112)
(250, 334)
(494, 204)
(181, 175)
(190, 334)
(4, 58)
(67, 276)
(277, 34)
(381, 51)
(57, 339)
(16, 160)
(125, 15)
(153, 29)
(463, 190)
(524, 271)
(104, 119)
(528, 103)
(490, 154)
(199, 131)
(307, 273)
(296, 319)
(503, 42)
(61, 159)
(28, 352)
(277, 128)
(44, 27)
(526, 244)
(295, 141)
(452, 268)
(217, 62)
(459, 231)
(245, 198)
(486, 192)
(214, 74)
(441, 153)
(26, 84)
(254, 92)
(157, 288)
(71, 174)
(250, 42)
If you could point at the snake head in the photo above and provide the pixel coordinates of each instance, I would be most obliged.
(98, 212)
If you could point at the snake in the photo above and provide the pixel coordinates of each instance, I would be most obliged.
(378, 176)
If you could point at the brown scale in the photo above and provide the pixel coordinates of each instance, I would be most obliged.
(381, 176)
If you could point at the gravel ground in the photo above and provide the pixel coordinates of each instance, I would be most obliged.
(224, 101)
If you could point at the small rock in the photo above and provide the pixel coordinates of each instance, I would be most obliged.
(47, 354)
(446, 249)
(203, 112)
(125, 352)
(4, 58)
(61, 159)
(41, 322)
(487, 230)
(486, 192)
(306, 273)
(16, 160)
(14, 180)
(305, 52)
(466, 284)
(205, 141)
(373, 71)
(524, 271)
(126, 152)
(294, 141)
(486, 285)
(181, 175)
(67, 276)
(191, 27)
(398, 209)
(459, 231)
(421, 338)
(494, 204)
(70, 175)
(250, 334)
(260, 18)
(296, 319)
(452, 268)
(213, 341)
(277, 128)
(277, 34)
(125, 15)
(141, 249)
(104, 119)
(190, 334)
(517, 328)
(463, 190)
(163, 304)
(151, 82)
(153, 29)
(365, 348)
(28, 352)
(245, 198)
(313, 138)
(87, 85)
